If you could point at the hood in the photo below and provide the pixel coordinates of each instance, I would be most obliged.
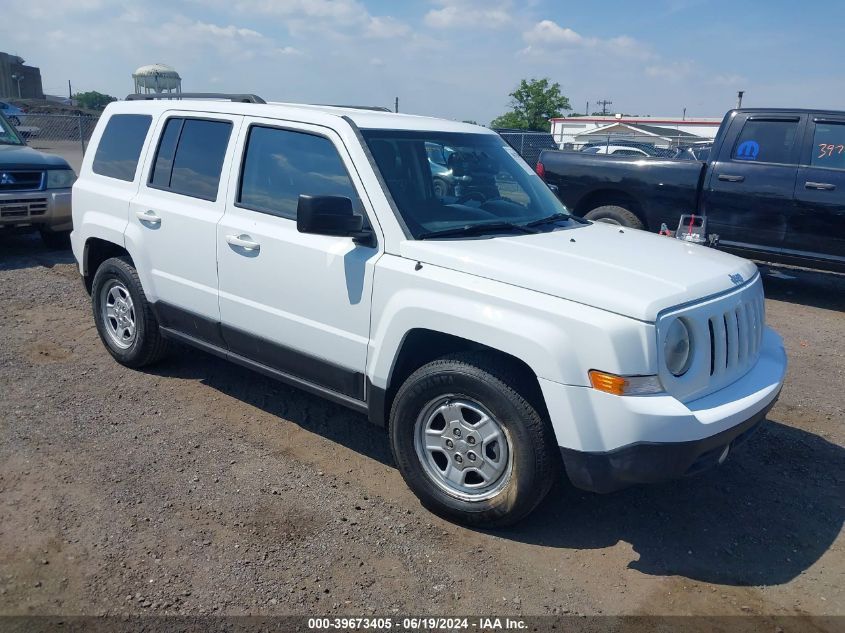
(24, 157)
(629, 272)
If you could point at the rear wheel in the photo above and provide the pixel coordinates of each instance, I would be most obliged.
(469, 443)
(614, 214)
(124, 318)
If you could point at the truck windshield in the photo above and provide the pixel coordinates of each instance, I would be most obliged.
(8, 134)
(442, 181)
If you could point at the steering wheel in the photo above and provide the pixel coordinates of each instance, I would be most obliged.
(473, 195)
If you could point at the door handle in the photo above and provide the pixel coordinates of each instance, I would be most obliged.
(148, 216)
(729, 178)
(243, 241)
(820, 186)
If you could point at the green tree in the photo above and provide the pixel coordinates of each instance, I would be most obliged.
(93, 100)
(533, 103)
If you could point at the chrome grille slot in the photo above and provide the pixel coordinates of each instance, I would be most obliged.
(23, 207)
(735, 336)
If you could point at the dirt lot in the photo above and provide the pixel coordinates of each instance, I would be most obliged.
(199, 487)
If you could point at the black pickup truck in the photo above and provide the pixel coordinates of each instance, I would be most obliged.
(773, 187)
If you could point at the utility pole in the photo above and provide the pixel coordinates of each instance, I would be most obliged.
(587, 109)
(739, 95)
(396, 105)
(69, 91)
(685, 115)
(604, 103)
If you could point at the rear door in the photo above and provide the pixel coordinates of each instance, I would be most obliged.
(818, 226)
(173, 219)
(748, 197)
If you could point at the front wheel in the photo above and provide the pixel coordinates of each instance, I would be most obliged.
(470, 444)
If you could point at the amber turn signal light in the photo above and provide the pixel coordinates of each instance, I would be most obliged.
(607, 382)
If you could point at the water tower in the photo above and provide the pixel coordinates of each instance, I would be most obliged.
(157, 78)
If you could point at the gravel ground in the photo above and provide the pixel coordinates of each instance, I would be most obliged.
(197, 487)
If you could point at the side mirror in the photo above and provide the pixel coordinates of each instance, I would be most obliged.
(554, 189)
(331, 215)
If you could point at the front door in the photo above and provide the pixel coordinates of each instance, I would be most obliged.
(748, 197)
(296, 303)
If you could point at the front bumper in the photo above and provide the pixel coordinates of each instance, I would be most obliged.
(654, 463)
(610, 442)
(46, 208)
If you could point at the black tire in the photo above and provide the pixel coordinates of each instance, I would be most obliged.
(148, 346)
(614, 214)
(55, 240)
(441, 188)
(490, 381)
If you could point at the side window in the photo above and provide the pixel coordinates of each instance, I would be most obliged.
(120, 146)
(279, 165)
(829, 146)
(764, 141)
(190, 157)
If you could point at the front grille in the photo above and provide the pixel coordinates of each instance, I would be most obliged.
(23, 208)
(727, 335)
(20, 180)
(735, 336)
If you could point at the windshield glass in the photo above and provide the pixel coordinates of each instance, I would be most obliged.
(446, 180)
(8, 134)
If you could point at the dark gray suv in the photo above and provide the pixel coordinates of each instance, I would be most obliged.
(34, 189)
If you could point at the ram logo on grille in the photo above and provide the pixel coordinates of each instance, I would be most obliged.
(736, 278)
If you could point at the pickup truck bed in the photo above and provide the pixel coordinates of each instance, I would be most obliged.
(657, 190)
(773, 187)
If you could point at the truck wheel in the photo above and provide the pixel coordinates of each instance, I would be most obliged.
(125, 321)
(613, 214)
(55, 240)
(469, 443)
(441, 189)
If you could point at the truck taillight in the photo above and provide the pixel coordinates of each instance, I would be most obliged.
(541, 170)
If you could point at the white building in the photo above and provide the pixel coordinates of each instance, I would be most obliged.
(575, 132)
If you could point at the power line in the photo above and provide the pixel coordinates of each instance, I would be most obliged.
(604, 103)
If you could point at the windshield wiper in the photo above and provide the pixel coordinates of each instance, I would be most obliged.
(476, 229)
(554, 217)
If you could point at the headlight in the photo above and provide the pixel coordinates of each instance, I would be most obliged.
(677, 348)
(60, 178)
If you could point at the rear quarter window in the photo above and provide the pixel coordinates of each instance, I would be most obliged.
(120, 146)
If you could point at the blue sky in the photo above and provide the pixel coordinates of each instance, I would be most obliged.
(451, 58)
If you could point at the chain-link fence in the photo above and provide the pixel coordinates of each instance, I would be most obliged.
(64, 134)
(655, 141)
(528, 144)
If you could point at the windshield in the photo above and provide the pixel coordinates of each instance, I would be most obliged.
(445, 180)
(8, 134)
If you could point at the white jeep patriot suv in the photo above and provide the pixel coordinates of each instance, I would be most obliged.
(496, 336)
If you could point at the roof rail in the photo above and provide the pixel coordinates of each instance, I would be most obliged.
(353, 107)
(241, 98)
